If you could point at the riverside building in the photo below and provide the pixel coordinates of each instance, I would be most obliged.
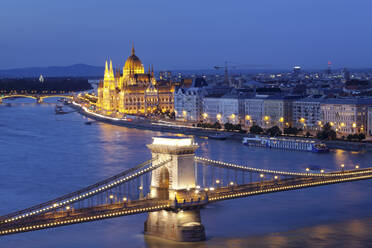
(277, 111)
(346, 116)
(253, 110)
(134, 91)
(188, 102)
(222, 109)
(307, 114)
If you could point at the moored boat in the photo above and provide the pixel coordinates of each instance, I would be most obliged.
(59, 110)
(285, 143)
(217, 136)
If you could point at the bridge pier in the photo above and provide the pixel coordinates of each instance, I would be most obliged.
(39, 100)
(182, 226)
(177, 175)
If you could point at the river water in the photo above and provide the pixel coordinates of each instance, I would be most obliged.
(44, 156)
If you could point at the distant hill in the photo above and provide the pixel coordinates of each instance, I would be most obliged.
(78, 70)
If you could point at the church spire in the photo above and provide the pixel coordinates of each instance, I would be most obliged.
(106, 69)
(152, 70)
(111, 69)
(133, 53)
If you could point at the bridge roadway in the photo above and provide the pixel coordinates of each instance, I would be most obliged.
(185, 199)
(38, 97)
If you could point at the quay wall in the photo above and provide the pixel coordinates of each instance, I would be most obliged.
(147, 125)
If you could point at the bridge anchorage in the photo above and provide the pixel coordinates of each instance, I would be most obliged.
(171, 187)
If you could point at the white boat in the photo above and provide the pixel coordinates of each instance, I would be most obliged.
(286, 143)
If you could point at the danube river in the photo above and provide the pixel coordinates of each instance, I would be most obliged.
(44, 155)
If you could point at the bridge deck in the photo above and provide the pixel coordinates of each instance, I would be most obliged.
(185, 199)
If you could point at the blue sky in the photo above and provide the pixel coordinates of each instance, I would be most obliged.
(194, 34)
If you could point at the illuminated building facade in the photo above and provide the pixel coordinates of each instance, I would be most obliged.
(307, 114)
(346, 116)
(133, 91)
(188, 102)
(253, 111)
(223, 109)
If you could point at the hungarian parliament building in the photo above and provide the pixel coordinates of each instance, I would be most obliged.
(133, 91)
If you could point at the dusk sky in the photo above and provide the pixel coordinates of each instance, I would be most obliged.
(187, 34)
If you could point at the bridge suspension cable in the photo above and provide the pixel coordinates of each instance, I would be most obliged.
(86, 192)
(274, 172)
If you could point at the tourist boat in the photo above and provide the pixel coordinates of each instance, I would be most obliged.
(217, 136)
(89, 122)
(286, 143)
(59, 110)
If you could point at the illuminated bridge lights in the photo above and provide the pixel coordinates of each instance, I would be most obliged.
(322, 174)
(83, 219)
(320, 179)
(289, 187)
(85, 195)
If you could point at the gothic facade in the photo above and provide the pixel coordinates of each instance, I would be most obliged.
(134, 91)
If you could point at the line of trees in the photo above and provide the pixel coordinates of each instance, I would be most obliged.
(216, 125)
(356, 137)
(327, 133)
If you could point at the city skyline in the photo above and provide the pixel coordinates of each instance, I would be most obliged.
(188, 35)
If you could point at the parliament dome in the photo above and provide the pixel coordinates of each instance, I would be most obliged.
(133, 65)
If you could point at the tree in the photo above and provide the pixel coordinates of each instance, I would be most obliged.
(231, 127)
(361, 136)
(327, 133)
(292, 130)
(228, 126)
(256, 129)
(216, 125)
(274, 131)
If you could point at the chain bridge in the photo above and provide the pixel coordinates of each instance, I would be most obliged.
(171, 188)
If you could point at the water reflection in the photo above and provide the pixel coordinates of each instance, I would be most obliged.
(44, 156)
(354, 233)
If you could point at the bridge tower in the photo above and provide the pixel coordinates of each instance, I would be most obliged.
(176, 175)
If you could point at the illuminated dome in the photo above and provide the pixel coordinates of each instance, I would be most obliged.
(133, 65)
